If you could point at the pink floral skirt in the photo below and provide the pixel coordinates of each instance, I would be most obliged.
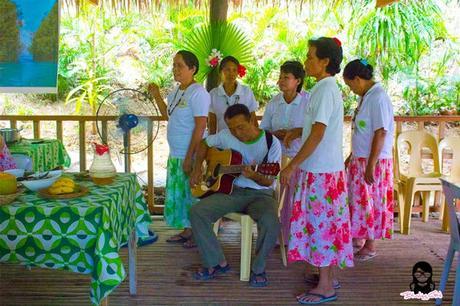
(371, 206)
(320, 221)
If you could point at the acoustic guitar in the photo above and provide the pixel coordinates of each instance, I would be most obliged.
(222, 168)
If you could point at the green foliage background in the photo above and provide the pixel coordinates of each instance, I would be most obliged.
(414, 52)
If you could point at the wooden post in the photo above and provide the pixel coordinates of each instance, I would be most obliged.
(36, 129)
(82, 132)
(59, 130)
(104, 131)
(150, 168)
(217, 13)
(421, 125)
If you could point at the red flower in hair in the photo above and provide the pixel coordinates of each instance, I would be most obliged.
(337, 41)
(214, 62)
(241, 71)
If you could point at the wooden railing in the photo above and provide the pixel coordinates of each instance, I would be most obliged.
(82, 120)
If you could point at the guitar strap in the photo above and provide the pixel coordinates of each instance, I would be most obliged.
(269, 140)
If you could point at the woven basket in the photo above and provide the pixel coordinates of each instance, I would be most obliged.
(8, 198)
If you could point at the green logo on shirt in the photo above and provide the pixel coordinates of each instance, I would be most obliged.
(361, 124)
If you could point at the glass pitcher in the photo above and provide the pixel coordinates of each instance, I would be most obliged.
(102, 170)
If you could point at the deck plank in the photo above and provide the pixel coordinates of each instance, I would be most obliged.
(164, 275)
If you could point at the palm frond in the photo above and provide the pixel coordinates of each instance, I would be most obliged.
(225, 37)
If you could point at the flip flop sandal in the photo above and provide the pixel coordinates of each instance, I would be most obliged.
(314, 279)
(181, 239)
(152, 238)
(253, 282)
(204, 274)
(323, 299)
(365, 257)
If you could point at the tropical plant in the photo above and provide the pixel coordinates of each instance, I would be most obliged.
(10, 44)
(226, 38)
(397, 35)
(91, 92)
(260, 77)
(88, 66)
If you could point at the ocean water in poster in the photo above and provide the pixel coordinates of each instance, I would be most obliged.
(29, 36)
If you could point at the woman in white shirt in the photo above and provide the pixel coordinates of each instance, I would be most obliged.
(283, 113)
(320, 221)
(228, 93)
(187, 110)
(370, 164)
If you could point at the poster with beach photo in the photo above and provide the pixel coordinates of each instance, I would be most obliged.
(29, 44)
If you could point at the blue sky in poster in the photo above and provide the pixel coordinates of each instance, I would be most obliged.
(26, 72)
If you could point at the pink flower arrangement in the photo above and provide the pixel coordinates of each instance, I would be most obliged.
(214, 58)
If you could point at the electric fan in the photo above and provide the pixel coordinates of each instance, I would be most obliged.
(129, 132)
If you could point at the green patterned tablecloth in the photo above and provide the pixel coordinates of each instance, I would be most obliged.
(46, 155)
(82, 235)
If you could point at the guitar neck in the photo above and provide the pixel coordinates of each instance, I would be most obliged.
(234, 169)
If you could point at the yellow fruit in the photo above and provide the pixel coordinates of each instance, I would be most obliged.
(8, 183)
(60, 190)
(63, 182)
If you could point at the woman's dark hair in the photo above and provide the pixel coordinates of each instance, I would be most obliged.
(190, 60)
(358, 68)
(296, 68)
(237, 109)
(226, 60)
(330, 48)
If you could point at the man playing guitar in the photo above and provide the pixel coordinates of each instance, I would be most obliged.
(253, 194)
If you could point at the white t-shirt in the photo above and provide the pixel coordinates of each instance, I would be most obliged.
(183, 107)
(253, 153)
(375, 112)
(326, 106)
(220, 101)
(280, 115)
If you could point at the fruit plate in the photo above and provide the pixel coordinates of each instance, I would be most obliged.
(79, 191)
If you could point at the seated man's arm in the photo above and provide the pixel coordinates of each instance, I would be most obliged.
(195, 177)
(260, 179)
(274, 156)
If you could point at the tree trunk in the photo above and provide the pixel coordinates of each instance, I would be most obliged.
(217, 13)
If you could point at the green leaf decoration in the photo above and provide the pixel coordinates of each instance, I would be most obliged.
(226, 38)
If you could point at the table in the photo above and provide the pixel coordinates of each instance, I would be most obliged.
(46, 154)
(82, 235)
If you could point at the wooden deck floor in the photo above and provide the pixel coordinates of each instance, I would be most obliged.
(164, 273)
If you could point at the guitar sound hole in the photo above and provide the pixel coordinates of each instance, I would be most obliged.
(215, 173)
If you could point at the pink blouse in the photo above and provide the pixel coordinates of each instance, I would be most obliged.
(6, 160)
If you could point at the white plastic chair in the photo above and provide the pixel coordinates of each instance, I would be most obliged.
(246, 239)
